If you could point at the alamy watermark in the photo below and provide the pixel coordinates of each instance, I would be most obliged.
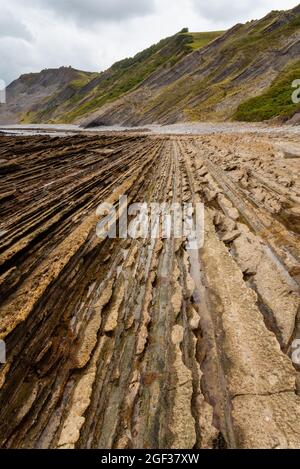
(153, 220)
(296, 93)
(295, 356)
(2, 92)
(2, 352)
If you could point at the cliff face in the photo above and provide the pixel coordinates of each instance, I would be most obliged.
(123, 78)
(212, 82)
(30, 93)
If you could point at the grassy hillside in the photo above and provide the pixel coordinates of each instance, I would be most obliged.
(246, 54)
(199, 40)
(213, 82)
(124, 76)
(275, 102)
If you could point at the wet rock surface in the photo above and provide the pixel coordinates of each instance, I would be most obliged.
(147, 343)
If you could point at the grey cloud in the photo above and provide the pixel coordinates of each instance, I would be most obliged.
(85, 12)
(224, 10)
(10, 26)
(15, 58)
(57, 41)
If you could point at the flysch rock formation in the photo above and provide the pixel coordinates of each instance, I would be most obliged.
(149, 343)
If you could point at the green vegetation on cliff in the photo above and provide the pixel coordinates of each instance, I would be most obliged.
(127, 74)
(199, 40)
(275, 102)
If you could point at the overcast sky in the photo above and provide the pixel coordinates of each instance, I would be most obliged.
(92, 34)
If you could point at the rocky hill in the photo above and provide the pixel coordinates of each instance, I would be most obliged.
(244, 74)
(256, 59)
(28, 95)
(120, 79)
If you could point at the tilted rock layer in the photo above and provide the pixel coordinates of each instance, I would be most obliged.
(147, 342)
